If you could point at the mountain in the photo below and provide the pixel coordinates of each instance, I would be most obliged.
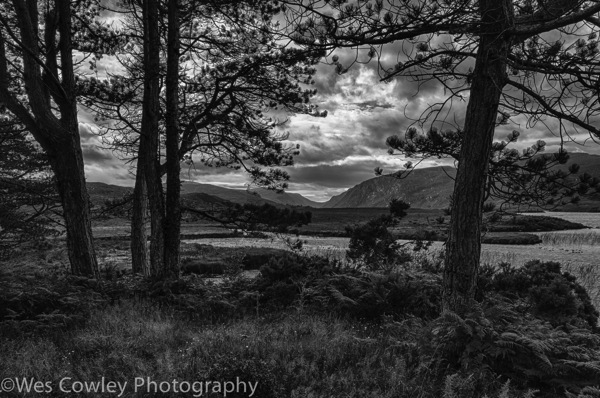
(430, 188)
(232, 195)
(427, 188)
(287, 198)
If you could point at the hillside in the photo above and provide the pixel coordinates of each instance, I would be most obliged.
(427, 188)
(430, 188)
(231, 195)
(99, 192)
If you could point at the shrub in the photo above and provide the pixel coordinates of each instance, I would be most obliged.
(50, 304)
(292, 266)
(498, 341)
(554, 296)
(398, 208)
(256, 258)
(372, 296)
(280, 277)
(374, 245)
(203, 267)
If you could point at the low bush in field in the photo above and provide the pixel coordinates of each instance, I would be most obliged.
(551, 295)
(526, 223)
(512, 238)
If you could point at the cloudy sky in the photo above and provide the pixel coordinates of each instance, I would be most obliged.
(336, 152)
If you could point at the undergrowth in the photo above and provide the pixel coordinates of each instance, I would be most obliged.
(310, 327)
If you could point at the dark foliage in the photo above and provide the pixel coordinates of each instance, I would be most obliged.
(501, 340)
(28, 192)
(398, 208)
(325, 286)
(52, 304)
(373, 244)
(553, 296)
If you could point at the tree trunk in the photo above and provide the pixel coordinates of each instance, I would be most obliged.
(463, 247)
(58, 135)
(173, 207)
(67, 164)
(139, 236)
(150, 128)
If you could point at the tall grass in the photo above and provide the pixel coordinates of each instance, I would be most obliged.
(295, 356)
(591, 238)
(495, 257)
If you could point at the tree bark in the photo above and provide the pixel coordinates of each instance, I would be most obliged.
(173, 206)
(463, 247)
(150, 129)
(67, 163)
(139, 235)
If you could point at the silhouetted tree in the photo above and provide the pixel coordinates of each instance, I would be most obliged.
(37, 86)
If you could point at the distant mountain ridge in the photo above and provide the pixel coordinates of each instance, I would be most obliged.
(208, 194)
(425, 188)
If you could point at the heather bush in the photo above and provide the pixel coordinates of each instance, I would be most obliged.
(554, 296)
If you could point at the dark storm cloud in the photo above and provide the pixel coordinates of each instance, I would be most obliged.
(372, 104)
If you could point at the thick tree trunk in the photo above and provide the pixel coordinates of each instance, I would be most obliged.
(173, 207)
(463, 247)
(150, 128)
(67, 164)
(139, 236)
